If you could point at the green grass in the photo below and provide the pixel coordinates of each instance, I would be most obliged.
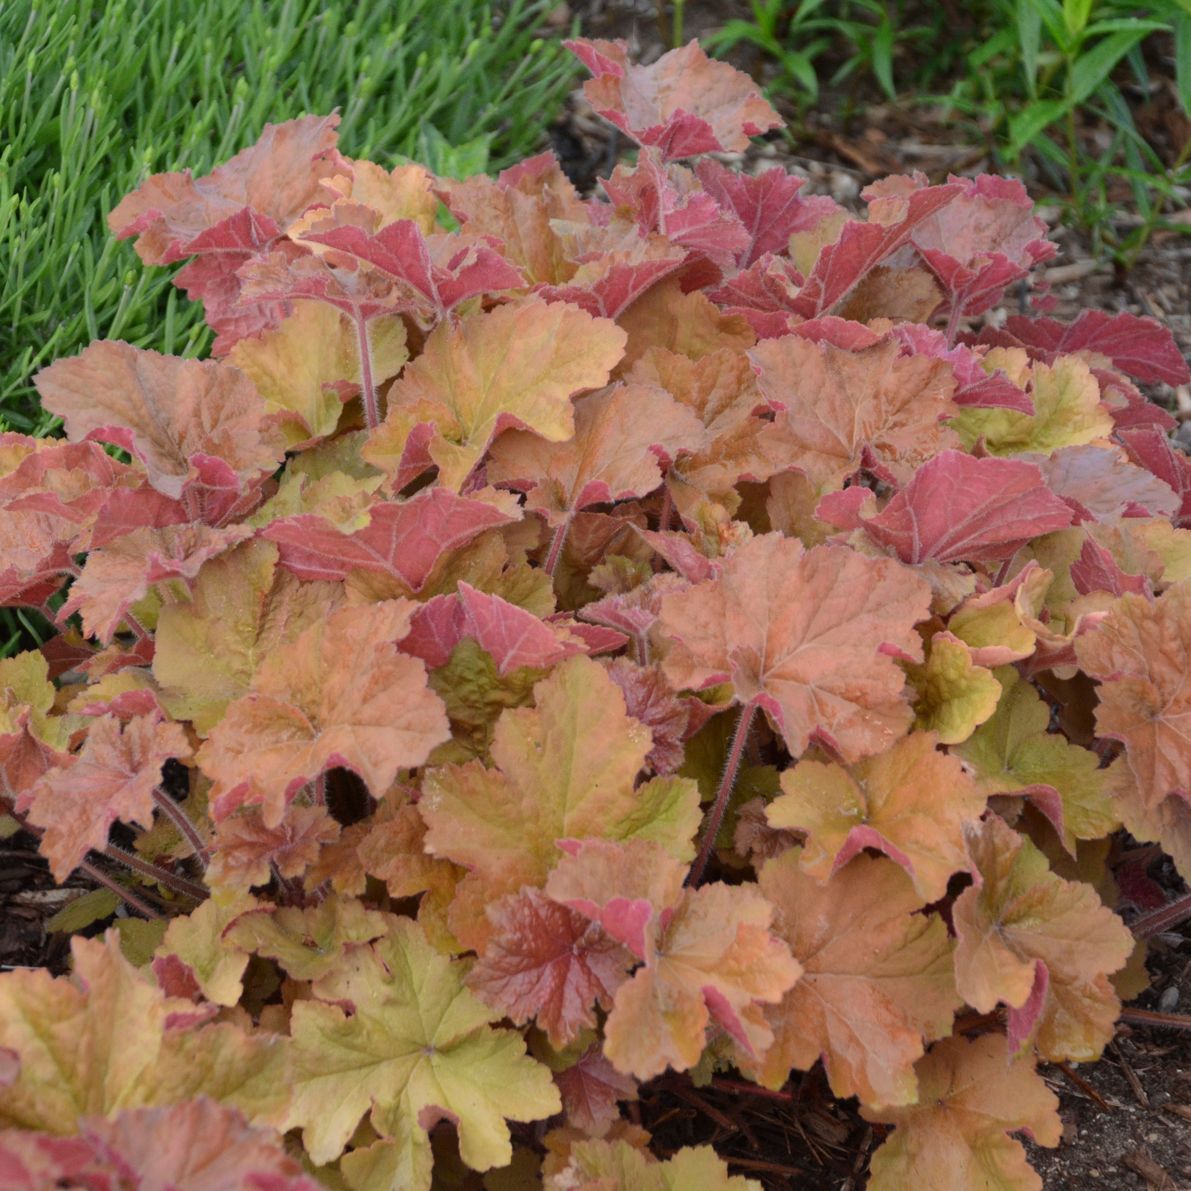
(95, 96)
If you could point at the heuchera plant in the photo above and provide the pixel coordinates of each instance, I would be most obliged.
(652, 632)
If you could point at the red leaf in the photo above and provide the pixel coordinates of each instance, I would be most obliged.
(768, 206)
(1141, 347)
(590, 1090)
(958, 507)
(404, 539)
(684, 103)
(864, 244)
(548, 963)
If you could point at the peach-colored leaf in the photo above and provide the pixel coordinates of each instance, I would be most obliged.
(1141, 653)
(684, 103)
(199, 1145)
(806, 635)
(876, 983)
(518, 208)
(910, 802)
(1041, 945)
(277, 178)
(623, 437)
(120, 574)
(709, 954)
(843, 410)
(112, 777)
(972, 1095)
(339, 694)
(244, 849)
(176, 416)
(563, 769)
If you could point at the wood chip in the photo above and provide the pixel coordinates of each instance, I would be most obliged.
(1156, 1176)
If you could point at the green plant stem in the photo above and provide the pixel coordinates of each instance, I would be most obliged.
(181, 820)
(715, 816)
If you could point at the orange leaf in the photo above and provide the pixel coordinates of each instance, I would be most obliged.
(339, 694)
(876, 980)
(622, 436)
(1041, 945)
(709, 954)
(844, 410)
(176, 416)
(910, 802)
(1141, 653)
(565, 768)
(972, 1094)
(807, 635)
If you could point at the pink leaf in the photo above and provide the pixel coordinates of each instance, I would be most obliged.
(1141, 347)
(974, 386)
(404, 539)
(864, 244)
(960, 507)
(1152, 450)
(513, 637)
(1097, 570)
(983, 241)
(402, 254)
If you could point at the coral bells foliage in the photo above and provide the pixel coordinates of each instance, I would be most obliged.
(558, 641)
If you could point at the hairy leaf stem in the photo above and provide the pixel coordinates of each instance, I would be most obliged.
(715, 816)
(367, 386)
(155, 872)
(101, 878)
(1163, 919)
(181, 820)
(556, 544)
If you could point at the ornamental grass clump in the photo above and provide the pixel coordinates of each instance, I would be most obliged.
(665, 632)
